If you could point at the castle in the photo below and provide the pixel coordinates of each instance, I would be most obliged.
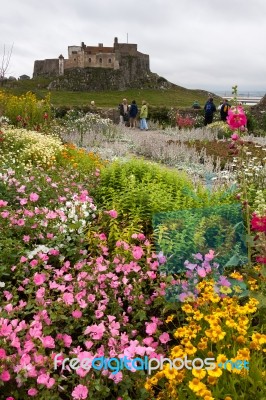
(92, 57)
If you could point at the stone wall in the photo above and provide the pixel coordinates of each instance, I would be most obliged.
(49, 67)
(134, 72)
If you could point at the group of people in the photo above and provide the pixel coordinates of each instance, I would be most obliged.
(210, 109)
(129, 113)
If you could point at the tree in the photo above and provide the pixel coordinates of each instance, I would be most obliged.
(6, 57)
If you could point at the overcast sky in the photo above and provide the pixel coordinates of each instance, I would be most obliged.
(197, 44)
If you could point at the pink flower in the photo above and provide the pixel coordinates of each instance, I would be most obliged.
(76, 314)
(236, 117)
(68, 298)
(151, 328)
(3, 203)
(23, 202)
(39, 278)
(32, 392)
(80, 392)
(112, 213)
(234, 136)
(34, 263)
(209, 256)
(23, 259)
(201, 272)
(48, 342)
(2, 353)
(96, 331)
(67, 340)
(137, 252)
(5, 376)
(164, 337)
(34, 197)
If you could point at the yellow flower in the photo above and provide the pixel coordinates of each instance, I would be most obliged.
(243, 354)
(225, 290)
(187, 308)
(212, 380)
(236, 275)
(221, 359)
(169, 318)
(228, 398)
(198, 316)
(216, 372)
(199, 373)
(196, 385)
(177, 352)
(190, 349)
(241, 339)
(259, 338)
(170, 373)
(154, 380)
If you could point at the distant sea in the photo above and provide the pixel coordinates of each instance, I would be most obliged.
(255, 93)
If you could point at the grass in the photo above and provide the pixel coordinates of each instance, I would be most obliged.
(176, 97)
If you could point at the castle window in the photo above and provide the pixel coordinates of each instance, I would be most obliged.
(74, 52)
(110, 60)
(100, 60)
(89, 60)
(75, 59)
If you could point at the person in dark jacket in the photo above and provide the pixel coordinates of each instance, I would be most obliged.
(209, 109)
(224, 110)
(133, 112)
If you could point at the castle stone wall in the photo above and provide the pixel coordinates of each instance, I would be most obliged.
(49, 67)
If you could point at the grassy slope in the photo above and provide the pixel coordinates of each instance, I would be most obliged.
(176, 97)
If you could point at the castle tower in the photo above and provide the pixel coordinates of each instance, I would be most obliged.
(61, 64)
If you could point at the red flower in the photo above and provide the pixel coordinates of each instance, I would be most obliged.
(261, 260)
(258, 223)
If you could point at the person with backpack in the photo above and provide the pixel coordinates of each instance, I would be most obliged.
(224, 110)
(133, 111)
(209, 109)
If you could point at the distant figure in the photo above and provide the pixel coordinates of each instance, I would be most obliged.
(196, 105)
(209, 109)
(224, 110)
(133, 111)
(123, 112)
(220, 106)
(143, 116)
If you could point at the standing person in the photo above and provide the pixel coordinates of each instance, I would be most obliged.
(209, 109)
(123, 111)
(143, 116)
(224, 110)
(133, 111)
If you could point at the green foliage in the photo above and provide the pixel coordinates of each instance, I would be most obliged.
(160, 115)
(179, 234)
(222, 129)
(138, 190)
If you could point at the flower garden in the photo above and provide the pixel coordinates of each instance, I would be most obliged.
(115, 245)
